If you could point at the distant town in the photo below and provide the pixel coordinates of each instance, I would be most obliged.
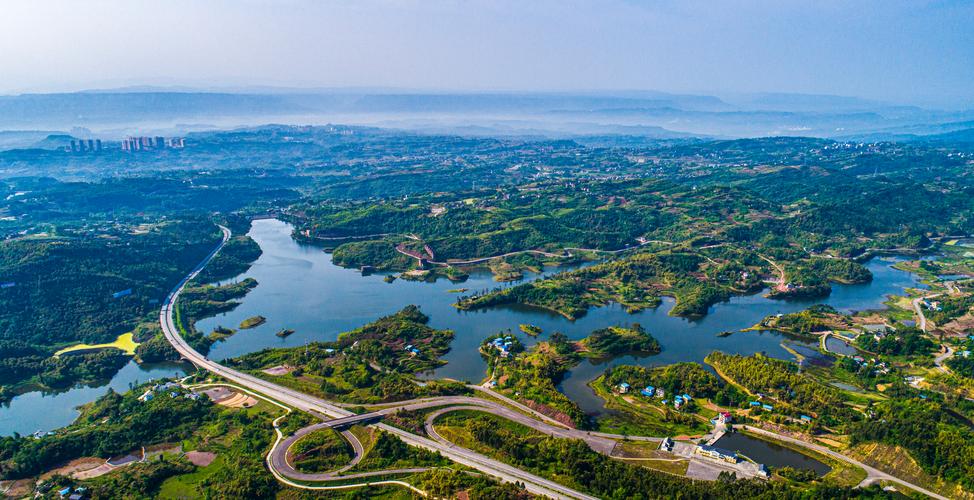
(128, 144)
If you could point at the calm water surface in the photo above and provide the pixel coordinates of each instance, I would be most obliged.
(44, 411)
(767, 453)
(300, 288)
(839, 346)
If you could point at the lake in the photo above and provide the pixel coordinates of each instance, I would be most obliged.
(300, 288)
(768, 453)
(45, 411)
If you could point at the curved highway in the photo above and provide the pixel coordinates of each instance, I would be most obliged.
(327, 410)
(311, 404)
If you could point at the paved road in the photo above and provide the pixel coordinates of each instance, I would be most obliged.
(918, 309)
(542, 422)
(922, 324)
(778, 268)
(872, 474)
(279, 459)
(310, 404)
(939, 360)
(279, 456)
(597, 443)
(505, 472)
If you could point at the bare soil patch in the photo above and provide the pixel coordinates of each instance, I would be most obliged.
(238, 400)
(16, 489)
(101, 470)
(75, 466)
(216, 394)
(201, 458)
(279, 370)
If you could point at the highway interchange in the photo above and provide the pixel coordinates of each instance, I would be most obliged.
(335, 415)
(316, 406)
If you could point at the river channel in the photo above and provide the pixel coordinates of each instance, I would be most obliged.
(301, 289)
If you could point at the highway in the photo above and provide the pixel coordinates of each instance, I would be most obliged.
(330, 412)
(596, 442)
(313, 405)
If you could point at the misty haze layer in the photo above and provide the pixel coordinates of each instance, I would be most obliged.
(908, 51)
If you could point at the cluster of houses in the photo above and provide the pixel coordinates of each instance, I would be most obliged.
(169, 387)
(411, 349)
(881, 367)
(766, 407)
(931, 305)
(504, 345)
(656, 392)
(648, 391)
(679, 400)
(73, 494)
(878, 330)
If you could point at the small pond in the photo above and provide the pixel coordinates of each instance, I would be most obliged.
(770, 454)
(836, 345)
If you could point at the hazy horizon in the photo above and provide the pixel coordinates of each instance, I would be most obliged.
(904, 52)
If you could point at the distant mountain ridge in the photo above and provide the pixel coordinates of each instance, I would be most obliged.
(552, 114)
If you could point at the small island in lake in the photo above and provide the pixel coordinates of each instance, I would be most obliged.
(221, 332)
(284, 333)
(252, 322)
(616, 340)
(531, 330)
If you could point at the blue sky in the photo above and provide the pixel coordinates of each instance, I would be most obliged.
(914, 51)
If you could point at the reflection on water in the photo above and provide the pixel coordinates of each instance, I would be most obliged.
(770, 454)
(839, 346)
(43, 411)
(300, 288)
